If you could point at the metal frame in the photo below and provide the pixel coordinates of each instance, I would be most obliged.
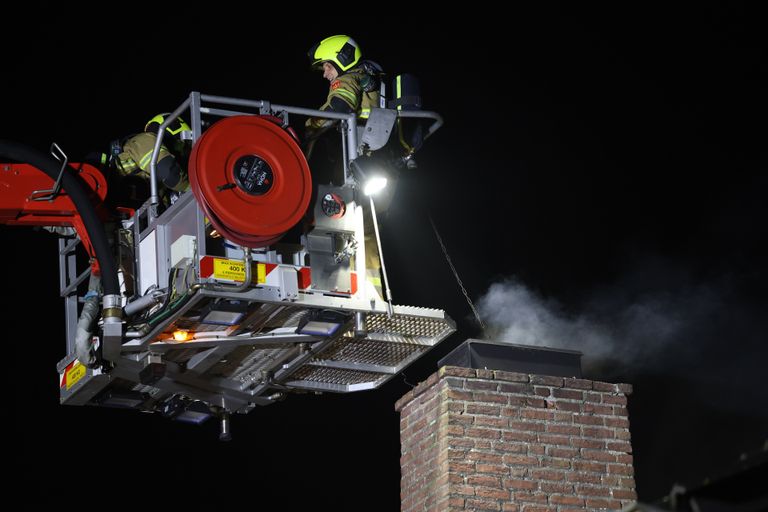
(194, 103)
(282, 359)
(68, 283)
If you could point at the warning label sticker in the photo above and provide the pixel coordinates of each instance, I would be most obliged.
(76, 372)
(234, 270)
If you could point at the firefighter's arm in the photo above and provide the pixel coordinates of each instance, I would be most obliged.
(126, 165)
(127, 161)
(343, 98)
(137, 155)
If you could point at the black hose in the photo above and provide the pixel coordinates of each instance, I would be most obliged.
(79, 195)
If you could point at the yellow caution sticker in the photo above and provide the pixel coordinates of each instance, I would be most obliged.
(75, 373)
(234, 270)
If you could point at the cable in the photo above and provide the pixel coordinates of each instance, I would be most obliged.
(458, 279)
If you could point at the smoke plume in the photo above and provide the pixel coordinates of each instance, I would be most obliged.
(623, 331)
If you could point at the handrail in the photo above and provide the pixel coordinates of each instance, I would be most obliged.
(195, 100)
(154, 197)
(424, 114)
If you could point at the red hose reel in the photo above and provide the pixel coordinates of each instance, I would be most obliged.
(251, 179)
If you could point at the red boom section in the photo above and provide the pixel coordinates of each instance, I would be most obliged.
(17, 207)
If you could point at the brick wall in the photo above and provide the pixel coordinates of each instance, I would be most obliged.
(493, 440)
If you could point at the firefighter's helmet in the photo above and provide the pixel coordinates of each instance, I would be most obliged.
(341, 51)
(175, 128)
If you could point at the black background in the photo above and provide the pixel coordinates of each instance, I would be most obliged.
(584, 150)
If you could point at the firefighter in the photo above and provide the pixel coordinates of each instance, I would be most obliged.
(354, 87)
(354, 83)
(132, 157)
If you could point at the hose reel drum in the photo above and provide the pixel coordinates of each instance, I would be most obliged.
(251, 178)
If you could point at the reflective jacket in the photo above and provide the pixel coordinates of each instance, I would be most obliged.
(137, 154)
(346, 95)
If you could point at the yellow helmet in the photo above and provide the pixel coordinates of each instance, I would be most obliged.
(342, 51)
(176, 127)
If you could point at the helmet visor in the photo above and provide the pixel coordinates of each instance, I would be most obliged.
(315, 62)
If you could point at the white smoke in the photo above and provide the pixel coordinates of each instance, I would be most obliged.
(612, 331)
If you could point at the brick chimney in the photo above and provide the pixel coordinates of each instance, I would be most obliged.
(474, 439)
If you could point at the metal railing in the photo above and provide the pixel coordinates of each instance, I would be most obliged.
(195, 106)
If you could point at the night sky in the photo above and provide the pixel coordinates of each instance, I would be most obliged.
(593, 164)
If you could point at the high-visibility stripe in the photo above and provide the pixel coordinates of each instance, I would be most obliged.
(365, 113)
(348, 95)
(372, 275)
(145, 160)
(399, 91)
(127, 165)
